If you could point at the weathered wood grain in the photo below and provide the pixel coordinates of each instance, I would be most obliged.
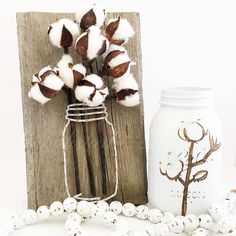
(90, 158)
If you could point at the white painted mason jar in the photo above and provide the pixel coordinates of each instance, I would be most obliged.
(185, 152)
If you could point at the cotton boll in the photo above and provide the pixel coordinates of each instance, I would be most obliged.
(128, 98)
(96, 100)
(128, 82)
(37, 95)
(120, 59)
(63, 32)
(97, 43)
(124, 31)
(69, 73)
(80, 68)
(91, 44)
(96, 80)
(127, 91)
(113, 47)
(117, 63)
(82, 93)
(90, 14)
(47, 85)
(119, 31)
(52, 81)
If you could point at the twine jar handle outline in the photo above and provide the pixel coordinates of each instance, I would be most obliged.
(73, 115)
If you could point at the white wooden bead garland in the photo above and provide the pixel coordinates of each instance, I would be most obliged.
(165, 223)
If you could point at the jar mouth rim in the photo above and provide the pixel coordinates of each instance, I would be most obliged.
(188, 89)
(187, 96)
(187, 92)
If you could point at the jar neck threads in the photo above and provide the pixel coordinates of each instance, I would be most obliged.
(187, 97)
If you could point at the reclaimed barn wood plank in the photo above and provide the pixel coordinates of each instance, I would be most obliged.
(89, 146)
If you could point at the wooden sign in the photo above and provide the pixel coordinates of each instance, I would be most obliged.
(91, 166)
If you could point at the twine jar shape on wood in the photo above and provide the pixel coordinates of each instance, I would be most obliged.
(81, 113)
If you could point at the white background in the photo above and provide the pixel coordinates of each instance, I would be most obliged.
(184, 43)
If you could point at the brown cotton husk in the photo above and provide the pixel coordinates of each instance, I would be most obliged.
(124, 92)
(119, 70)
(112, 55)
(82, 46)
(88, 20)
(47, 92)
(111, 28)
(77, 78)
(38, 79)
(92, 95)
(86, 83)
(49, 29)
(66, 38)
(117, 41)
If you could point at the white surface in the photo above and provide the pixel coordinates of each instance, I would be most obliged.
(185, 43)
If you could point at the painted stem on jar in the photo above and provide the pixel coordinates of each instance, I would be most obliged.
(200, 175)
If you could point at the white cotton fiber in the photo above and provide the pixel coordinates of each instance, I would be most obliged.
(119, 59)
(96, 80)
(54, 82)
(86, 7)
(65, 60)
(130, 101)
(80, 68)
(55, 32)
(100, 15)
(36, 94)
(82, 93)
(71, 26)
(127, 82)
(124, 30)
(83, 9)
(95, 42)
(65, 72)
(96, 100)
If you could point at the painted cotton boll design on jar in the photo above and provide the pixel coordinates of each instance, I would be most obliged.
(185, 152)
